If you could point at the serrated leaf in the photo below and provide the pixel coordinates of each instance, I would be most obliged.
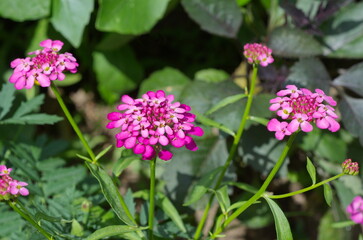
(29, 106)
(328, 195)
(209, 122)
(289, 42)
(223, 198)
(19, 10)
(70, 18)
(111, 193)
(201, 186)
(352, 79)
(226, 101)
(36, 118)
(129, 16)
(311, 170)
(164, 203)
(222, 18)
(114, 230)
(7, 98)
(282, 225)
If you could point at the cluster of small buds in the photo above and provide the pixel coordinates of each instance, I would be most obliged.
(150, 123)
(355, 210)
(47, 65)
(302, 107)
(350, 168)
(258, 54)
(10, 187)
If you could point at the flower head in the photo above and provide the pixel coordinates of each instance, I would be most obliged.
(303, 108)
(47, 65)
(350, 168)
(9, 187)
(355, 210)
(258, 54)
(150, 123)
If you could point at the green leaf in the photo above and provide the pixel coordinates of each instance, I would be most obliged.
(222, 18)
(259, 120)
(223, 198)
(84, 158)
(29, 106)
(169, 79)
(114, 230)
(7, 98)
(352, 79)
(211, 75)
(36, 118)
(201, 186)
(71, 79)
(19, 10)
(40, 34)
(242, 3)
(111, 193)
(130, 16)
(311, 170)
(164, 203)
(226, 101)
(239, 204)
(77, 229)
(70, 18)
(328, 195)
(326, 231)
(288, 42)
(123, 163)
(209, 122)
(103, 152)
(343, 224)
(117, 72)
(282, 225)
(243, 186)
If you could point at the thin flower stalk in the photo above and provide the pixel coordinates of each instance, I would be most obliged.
(152, 198)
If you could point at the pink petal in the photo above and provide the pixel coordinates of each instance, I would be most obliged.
(322, 123)
(130, 142)
(163, 140)
(279, 135)
(192, 146)
(293, 126)
(306, 126)
(334, 125)
(178, 142)
(139, 149)
(165, 155)
(24, 191)
(43, 80)
(197, 131)
(127, 99)
(273, 125)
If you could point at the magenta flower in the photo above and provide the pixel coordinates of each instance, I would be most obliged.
(280, 128)
(18, 188)
(47, 65)
(4, 170)
(9, 187)
(355, 210)
(303, 108)
(258, 54)
(149, 124)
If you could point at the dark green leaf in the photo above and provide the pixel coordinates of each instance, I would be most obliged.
(70, 18)
(326, 231)
(311, 170)
(7, 98)
(226, 101)
(19, 10)
(243, 186)
(129, 16)
(116, 230)
(71, 79)
(282, 225)
(259, 120)
(36, 118)
(352, 79)
(209, 122)
(223, 198)
(167, 206)
(29, 106)
(211, 75)
(169, 79)
(111, 193)
(328, 195)
(288, 42)
(214, 16)
(201, 186)
(347, 187)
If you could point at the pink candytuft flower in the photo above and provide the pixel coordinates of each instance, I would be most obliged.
(47, 65)
(258, 54)
(9, 187)
(150, 123)
(302, 108)
(355, 210)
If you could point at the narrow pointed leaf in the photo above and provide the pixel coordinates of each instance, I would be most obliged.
(243, 186)
(201, 187)
(209, 122)
(36, 118)
(328, 194)
(115, 230)
(311, 170)
(282, 225)
(164, 203)
(7, 98)
(223, 198)
(123, 163)
(260, 120)
(103, 152)
(224, 102)
(84, 157)
(111, 193)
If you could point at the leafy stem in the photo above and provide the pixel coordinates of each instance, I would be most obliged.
(152, 197)
(232, 151)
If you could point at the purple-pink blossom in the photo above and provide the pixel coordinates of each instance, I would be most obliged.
(10, 187)
(258, 54)
(150, 123)
(355, 210)
(301, 108)
(44, 66)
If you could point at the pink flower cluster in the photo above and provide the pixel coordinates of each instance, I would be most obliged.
(302, 107)
(46, 66)
(350, 168)
(10, 187)
(258, 54)
(355, 210)
(150, 123)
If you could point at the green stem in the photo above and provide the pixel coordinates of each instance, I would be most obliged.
(305, 189)
(232, 151)
(263, 188)
(152, 197)
(16, 205)
(73, 123)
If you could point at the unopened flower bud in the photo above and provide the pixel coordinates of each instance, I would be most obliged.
(350, 168)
